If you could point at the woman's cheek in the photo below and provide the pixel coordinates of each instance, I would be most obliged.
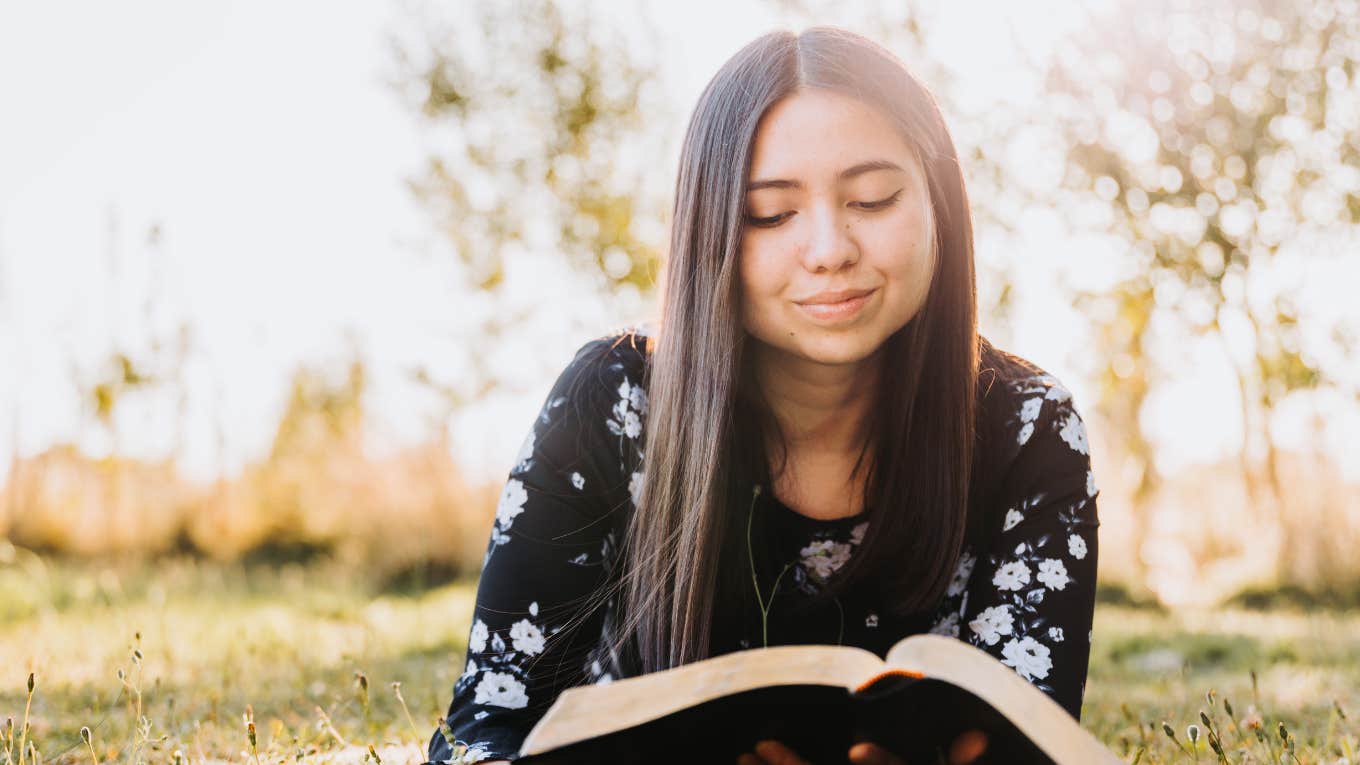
(754, 288)
(762, 271)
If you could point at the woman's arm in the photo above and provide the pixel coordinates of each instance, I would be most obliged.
(1031, 596)
(549, 551)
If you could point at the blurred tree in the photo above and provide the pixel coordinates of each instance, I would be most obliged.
(136, 368)
(1222, 143)
(322, 414)
(550, 133)
(316, 459)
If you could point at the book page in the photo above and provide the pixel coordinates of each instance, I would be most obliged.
(588, 711)
(1034, 712)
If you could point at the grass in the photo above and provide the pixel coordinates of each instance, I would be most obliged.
(188, 656)
(190, 662)
(1249, 672)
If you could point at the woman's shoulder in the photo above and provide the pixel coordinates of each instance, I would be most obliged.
(1009, 377)
(1021, 401)
(605, 379)
(1033, 440)
(618, 355)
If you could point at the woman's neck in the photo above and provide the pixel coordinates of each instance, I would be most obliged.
(821, 409)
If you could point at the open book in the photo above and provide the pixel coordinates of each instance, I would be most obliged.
(818, 700)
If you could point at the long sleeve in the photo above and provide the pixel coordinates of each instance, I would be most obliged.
(1028, 595)
(550, 549)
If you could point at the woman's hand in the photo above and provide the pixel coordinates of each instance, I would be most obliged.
(966, 748)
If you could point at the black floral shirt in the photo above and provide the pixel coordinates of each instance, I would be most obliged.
(1023, 589)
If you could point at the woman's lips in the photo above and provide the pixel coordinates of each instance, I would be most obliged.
(836, 312)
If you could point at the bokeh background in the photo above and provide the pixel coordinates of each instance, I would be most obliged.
(282, 286)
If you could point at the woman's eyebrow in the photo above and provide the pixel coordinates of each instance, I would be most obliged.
(846, 174)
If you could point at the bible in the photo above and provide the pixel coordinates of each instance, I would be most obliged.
(818, 700)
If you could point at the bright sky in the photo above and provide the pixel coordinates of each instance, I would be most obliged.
(261, 137)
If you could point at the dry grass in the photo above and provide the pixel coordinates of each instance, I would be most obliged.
(288, 646)
(218, 640)
(385, 514)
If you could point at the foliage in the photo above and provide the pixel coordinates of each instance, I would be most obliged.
(548, 135)
(1219, 142)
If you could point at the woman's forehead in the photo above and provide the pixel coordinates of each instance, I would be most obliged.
(817, 135)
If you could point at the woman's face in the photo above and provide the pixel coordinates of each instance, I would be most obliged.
(837, 202)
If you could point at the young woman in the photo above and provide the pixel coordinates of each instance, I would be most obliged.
(832, 453)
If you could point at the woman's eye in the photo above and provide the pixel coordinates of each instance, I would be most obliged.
(775, 220)
(768, 222)
(880, 204)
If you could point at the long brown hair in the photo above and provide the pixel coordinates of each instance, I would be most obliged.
(684, 552)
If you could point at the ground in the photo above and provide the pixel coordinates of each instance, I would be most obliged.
(311, 655)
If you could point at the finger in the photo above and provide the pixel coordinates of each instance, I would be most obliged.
(866, 753)
(967, 747)
(776, 753)
(747, 758)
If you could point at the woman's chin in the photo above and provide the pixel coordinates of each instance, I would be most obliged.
(838, 348)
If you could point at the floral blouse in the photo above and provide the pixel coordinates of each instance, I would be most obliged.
(1023, 589)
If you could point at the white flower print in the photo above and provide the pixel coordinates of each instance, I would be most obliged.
(469, 670)
(948, 626)
(1025, 433)
(632, 425)
(635, 488)
(962, 573)
(600, 676)
(638, 398)
(1011, 576)
(992, 623)
(1056, 391)
(823, 558)
(607, 552)
(1055, 634)
(628, 410)
(1013, 517)
(1052, 573)
(1076, 546)
(578, 481)
(497, 644)
(1030, 409)
(511, 503)
(1074, 433)
(524, 636)
(1028, 657)
(477, 641)
(476, 753)
(1090, 484)
(621, 409)
(481, 714)
(501, 689)
(871, 620)
(533, 608)
(857, 533)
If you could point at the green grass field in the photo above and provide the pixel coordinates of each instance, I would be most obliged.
(312, 655)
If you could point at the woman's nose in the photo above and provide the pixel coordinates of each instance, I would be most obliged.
(830, 246)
